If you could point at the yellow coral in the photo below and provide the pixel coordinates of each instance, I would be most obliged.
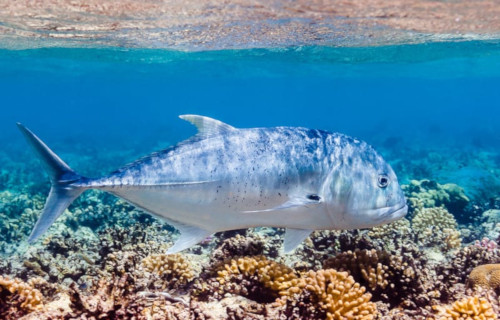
(31, 298)
(169, 266)
(452, 239)
(473, 308)
(337, 293)
(271, 274)
(486, 276)
(433, 217)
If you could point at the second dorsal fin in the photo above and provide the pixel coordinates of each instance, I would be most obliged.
(207, 126)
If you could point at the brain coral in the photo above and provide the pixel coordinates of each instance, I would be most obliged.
(169, 267)
(473, 308)
(436, 227)
(486, 276)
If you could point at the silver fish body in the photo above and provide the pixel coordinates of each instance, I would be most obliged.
(225, 178)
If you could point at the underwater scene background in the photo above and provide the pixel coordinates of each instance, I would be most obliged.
(431, 109)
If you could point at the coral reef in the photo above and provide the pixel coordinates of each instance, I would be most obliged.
(335, 293)
(381, 273)
(18, 298)
(364, 265)
(491, 223)
(316, 293)
(487, 276)
(236, 246)
(436, 227)
(391, 236)
(18, 214)
(169, 267)
(464, 261)
(473, 308)
(103, 259)
(429, 194)
(275, 277)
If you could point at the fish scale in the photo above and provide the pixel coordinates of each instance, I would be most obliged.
(225, 178)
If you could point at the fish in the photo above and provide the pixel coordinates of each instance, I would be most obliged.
(226, 178)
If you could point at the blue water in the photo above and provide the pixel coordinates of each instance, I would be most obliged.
(432, 110)
(424, 97)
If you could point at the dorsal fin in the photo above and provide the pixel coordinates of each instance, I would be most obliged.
(207, 126)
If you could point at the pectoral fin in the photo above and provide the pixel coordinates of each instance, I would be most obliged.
(294, 202)
(293, 237)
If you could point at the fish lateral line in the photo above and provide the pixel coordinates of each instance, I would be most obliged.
(92, 185)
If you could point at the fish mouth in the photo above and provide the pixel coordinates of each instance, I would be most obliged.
(389, 214)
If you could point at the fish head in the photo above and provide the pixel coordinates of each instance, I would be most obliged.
(363, 191)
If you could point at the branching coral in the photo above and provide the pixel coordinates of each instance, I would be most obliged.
(470, 257)
(458, 270)
(270, 274)
(473, 308)
(363, 265)
(18, 214)
(29, 298)
(381, 272)
(109, 295)
(391, 236)
(169, 267)
(436, 227)
(486, 276)
(336, 293)
(238, 246)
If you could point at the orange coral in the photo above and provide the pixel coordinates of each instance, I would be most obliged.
(271, 274)
(337, 293)
(473, 308)
(31, 299)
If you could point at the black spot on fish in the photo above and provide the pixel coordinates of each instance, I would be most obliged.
(314, 197)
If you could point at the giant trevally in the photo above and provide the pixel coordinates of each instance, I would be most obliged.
(225, 178)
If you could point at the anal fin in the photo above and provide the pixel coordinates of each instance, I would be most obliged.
(190, 236)
(293, 237)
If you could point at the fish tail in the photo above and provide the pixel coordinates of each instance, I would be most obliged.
(62, 177)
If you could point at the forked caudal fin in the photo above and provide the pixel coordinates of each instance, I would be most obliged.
(62, 192)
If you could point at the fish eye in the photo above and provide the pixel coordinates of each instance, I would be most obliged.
(383, 180)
